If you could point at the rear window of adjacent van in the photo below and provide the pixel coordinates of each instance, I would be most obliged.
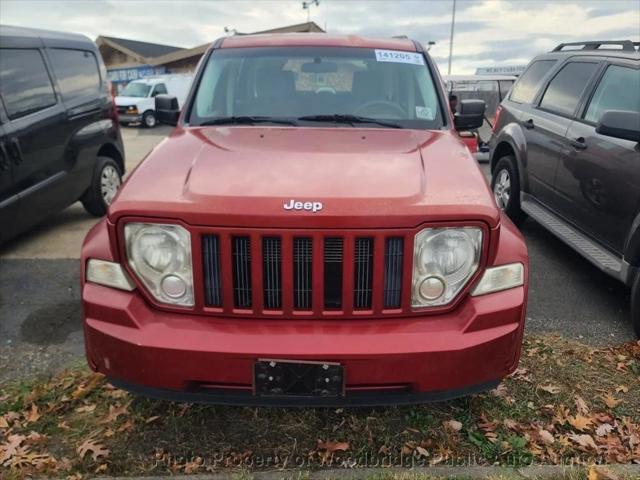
(77, 72)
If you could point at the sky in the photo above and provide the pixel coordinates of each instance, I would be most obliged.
(487, 32)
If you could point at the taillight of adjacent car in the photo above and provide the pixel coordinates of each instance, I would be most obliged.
(497, 118)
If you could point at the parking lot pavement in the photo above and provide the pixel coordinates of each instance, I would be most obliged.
(40, 316)
(62, 235)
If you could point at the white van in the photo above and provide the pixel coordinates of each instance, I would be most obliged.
(136, 103)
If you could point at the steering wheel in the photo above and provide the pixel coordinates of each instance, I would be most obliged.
(397, 110)
(326, 90)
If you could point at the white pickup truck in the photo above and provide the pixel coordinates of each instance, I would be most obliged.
(136, 103)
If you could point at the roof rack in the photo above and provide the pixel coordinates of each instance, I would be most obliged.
(626, 45)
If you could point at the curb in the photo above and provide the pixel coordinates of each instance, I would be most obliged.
(536, 472)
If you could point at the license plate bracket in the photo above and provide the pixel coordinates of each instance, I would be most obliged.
(291, 378)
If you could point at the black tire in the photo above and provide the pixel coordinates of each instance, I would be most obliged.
(635, 305)
(99, 195)
(508, 200)
(149, 119)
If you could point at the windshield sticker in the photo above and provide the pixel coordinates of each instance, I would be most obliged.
(424, 113)
(399, 57)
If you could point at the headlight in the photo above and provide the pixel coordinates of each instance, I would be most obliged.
(160, 255)
(444, 259)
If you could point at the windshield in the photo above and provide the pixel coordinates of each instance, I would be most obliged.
(135, 89)
(323, 82)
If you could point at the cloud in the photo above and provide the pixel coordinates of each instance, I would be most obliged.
(489, 32)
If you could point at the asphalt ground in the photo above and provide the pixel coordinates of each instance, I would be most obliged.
(40, 313)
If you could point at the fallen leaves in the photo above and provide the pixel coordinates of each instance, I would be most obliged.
(580, 422)
(585, 441)
(332, 447)
(552, 389)
(454, 425)
(610, 401)
(94, 448)
(33, 415)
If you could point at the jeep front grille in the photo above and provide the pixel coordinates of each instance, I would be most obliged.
(279, 273)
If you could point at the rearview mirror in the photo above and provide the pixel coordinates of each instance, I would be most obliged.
(470, 114)
(167, 109)
(621, 124)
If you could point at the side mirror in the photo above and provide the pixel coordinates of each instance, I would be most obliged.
(167, 109)
(470, 114)
(620, 124)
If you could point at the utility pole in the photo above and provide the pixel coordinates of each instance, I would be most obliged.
(306, 5)
(453, 23)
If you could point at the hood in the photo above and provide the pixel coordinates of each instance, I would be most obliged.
(244, 176)
(125, 101)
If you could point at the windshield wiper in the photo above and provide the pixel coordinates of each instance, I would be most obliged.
(351, 119)
(247, 120)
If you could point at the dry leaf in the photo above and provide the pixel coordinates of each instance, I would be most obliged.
(94, 448)
(604, 430)
(584, 440)
(3, 423)
(546, 436)
(151, 419)
(580, 422)
(552, 389)
(33, 415)
(581, 405)
(86, 408)
(610, 400)
(601, 473)
(454, 425)
(422, 452)
(331, 447)
(622, 389)
(115, 411)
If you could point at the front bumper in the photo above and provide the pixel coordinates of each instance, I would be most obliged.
(390, 360)
(386, 361)
(129, 118)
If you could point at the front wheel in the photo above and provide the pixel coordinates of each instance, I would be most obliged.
(105, 183)
(505, 184)
(149, 119)
(635, 305)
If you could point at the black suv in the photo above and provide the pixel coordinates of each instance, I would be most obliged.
(59, 133)
(566, 152)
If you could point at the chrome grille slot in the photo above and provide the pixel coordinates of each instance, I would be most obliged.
(302, 274)
(363, 273)
(333, 254)
(394, 249)
(211, 268)
(242, 272)
(272, 272)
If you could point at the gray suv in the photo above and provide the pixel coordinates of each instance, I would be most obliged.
(566, 152)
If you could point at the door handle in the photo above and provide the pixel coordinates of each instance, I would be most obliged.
(5, 164)
(529, 124)
(15, 152)
(579, 143)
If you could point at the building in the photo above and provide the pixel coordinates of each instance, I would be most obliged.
(128, 60)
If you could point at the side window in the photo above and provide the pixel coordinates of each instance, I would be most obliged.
(505, 87)
(160, 88)
(619, 89)
(76, 71)
(25, 86)
(566, 88)
(527, 86)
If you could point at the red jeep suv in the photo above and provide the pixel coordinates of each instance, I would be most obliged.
(313, 232)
